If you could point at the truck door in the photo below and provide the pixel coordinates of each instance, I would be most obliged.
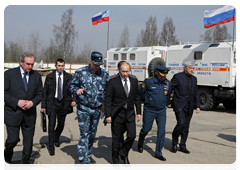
(219, 73)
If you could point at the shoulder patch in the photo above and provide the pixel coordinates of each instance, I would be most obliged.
(143, 85)
(149, 78)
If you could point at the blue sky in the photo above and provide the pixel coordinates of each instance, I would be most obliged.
(21, 21)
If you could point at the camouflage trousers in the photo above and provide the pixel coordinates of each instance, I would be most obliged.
(88, 121)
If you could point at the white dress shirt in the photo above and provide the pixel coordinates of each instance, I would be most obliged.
(56, 93)
(22, 73)
(123, 82)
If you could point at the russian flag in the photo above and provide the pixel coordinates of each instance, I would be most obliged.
(100, 17)
(219, 16)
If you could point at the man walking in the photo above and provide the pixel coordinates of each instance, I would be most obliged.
(155, 92)
(122, 94)
(22, 93)
(185, 98)
(89, 83)
(57, 102)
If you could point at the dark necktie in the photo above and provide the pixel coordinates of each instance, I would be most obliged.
(126, 90)
(59, 87)
(126, 87)
(25, 80)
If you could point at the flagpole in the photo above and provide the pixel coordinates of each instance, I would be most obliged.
(212, 31)
(108, 35)
(233, 33)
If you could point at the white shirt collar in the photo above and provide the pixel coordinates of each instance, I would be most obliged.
(22, 71)
(123, 78)
(58, 73)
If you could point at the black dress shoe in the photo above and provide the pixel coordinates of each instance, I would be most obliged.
(140, 150)
(51, 153)
(174, 148)
(8, 165)
(160, 158)
(184, 150)
(116, 165)
(125, 160)
(57, 144)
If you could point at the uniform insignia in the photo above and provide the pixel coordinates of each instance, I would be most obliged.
(143, 85)
(166, 87)
(165, 92)
(149, 78)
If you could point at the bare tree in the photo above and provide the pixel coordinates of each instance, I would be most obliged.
(216, 34)
(167, 35)
(65, 34)
(124, 39)
(6, 52)
(85, 54)
(34, 43)
(149, 36)
(13, 52)
(51, 53)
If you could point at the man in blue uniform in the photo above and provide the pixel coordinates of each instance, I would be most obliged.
(155, 91)
(89, 83)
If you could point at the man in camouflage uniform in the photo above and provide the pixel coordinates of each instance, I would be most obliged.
(89, 83)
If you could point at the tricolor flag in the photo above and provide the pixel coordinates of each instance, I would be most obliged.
(100, 17)
(219, 16)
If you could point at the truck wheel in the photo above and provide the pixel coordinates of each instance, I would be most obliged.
(229, 104)
(207, 100)
(153, 64)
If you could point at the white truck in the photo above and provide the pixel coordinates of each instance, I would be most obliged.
(215, 67)
(143, 60)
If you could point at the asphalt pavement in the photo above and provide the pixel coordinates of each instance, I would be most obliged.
(211, 140)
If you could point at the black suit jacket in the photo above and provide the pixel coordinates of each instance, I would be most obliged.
(50, 90)
(116, 98)
(14, 91)
(182, 93)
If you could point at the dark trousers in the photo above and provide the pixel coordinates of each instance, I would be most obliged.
(13, 139)
(121, 147)
(182, 127)
(148, 118)
(54, 134)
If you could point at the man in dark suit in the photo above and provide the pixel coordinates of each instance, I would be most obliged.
(186, 97)
(22, 93)
(57, 102)
(121, 96)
